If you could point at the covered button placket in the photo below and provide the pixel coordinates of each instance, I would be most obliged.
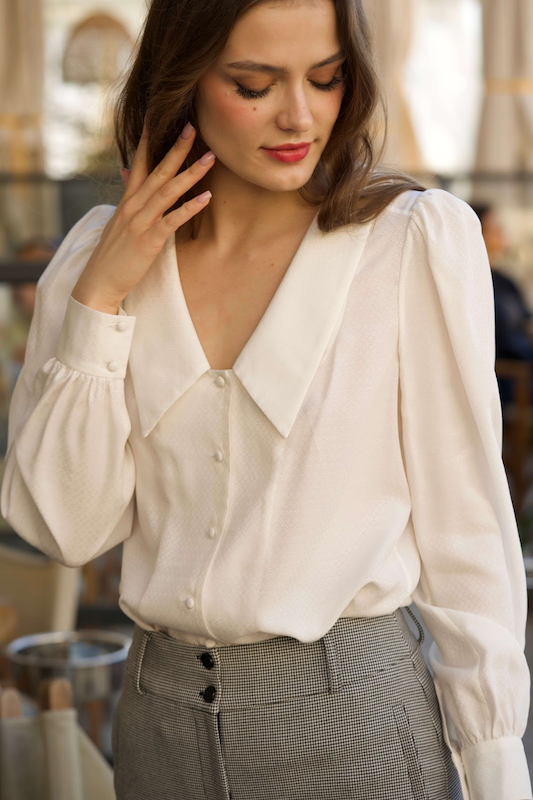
(216, 493)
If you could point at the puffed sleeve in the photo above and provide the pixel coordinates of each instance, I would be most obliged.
(472, 592)
(69, 478)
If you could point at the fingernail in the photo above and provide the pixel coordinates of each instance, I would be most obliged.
(204, 196)
(187, 131)
(207, 158)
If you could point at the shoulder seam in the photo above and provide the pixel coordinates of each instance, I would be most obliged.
(410, 221)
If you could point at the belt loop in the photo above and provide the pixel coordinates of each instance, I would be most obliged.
(418, 625)
(332, 664)
(147, 635)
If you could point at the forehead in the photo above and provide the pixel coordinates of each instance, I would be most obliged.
(291, 32)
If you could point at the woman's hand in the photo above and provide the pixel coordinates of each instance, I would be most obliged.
(137, 231)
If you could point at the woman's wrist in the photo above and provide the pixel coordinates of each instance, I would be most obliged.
(93, 301)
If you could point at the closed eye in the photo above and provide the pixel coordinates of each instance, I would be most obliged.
(251, 95)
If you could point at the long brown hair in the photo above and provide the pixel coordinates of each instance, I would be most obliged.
(179, 42)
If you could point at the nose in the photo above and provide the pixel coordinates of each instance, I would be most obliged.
(295, 114)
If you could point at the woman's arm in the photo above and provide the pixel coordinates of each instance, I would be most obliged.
(69, 478)
(472, 591)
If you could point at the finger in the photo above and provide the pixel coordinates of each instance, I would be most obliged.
(170, 191)
(182, 214)
(139, 169)
(165, 171)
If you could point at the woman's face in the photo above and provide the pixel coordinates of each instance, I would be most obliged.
(241, 111)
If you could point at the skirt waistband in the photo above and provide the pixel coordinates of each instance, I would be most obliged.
(232, 676)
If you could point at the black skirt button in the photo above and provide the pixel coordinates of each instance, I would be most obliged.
(207, 660)
(208, 694)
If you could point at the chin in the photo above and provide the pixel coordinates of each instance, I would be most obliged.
(290, 182)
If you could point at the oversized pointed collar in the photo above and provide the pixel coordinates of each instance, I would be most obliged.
(278, 362)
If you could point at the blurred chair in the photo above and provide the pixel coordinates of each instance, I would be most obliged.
(48, 755)
(45, 594)
(517, 424)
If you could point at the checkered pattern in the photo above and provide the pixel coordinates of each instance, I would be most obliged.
(351, 716)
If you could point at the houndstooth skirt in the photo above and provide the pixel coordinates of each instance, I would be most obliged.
(351, 716)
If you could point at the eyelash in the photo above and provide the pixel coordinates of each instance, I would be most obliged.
(251, 95)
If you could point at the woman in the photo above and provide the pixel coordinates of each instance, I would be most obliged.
(293, 426)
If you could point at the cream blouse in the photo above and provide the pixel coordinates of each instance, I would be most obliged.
(349, 463)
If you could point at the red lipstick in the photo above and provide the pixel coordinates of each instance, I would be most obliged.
(288, 152)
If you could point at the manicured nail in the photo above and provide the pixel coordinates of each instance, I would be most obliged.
(204, 196)
(207, 158)
(187, 131)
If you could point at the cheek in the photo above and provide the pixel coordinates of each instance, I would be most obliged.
(231, 113)
(332, 106)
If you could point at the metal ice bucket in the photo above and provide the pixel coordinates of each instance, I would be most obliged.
(93, 661)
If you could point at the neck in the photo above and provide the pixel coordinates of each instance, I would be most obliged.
(241, 214)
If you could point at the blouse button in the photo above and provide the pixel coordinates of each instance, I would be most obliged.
(122, 325)
(189, 602)
(212, 532)
(112, 366)
(218, 456)
(210, 643)
(220, 381)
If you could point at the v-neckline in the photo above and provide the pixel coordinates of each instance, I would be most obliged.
(274, 300)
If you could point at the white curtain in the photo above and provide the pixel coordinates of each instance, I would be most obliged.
(393, 24)
(21, 85)
(505, 139)
(23, 207)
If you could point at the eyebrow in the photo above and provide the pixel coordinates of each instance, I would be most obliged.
(254, 66)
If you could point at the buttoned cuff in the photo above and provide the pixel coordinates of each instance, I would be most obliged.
(497, 770)
(94, 342)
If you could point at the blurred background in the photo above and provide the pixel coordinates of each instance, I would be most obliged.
(458, 78)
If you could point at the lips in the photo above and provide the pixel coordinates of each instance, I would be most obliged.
(288, 154)
(289, 146)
